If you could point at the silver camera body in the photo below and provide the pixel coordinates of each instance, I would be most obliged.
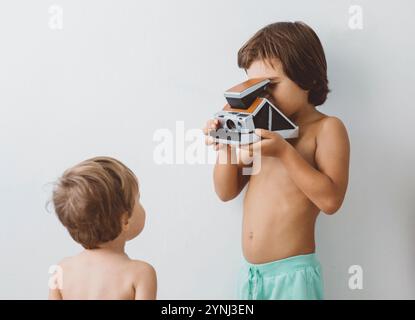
(246, 111)
(235, 128)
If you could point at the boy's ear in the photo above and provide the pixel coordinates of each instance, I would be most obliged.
(125, 221)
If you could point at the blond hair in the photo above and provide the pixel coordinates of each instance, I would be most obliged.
(90, 198)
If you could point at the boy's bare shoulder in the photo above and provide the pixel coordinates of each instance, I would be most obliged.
(331, 125)
(331, 120)
(67, 262)
(322, 129)
(331, 139)
(71, 260)
(141, 268)
(145, 280)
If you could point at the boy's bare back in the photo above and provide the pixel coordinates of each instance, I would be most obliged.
(105, 276)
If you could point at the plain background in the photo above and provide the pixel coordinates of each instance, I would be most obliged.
(119, 71)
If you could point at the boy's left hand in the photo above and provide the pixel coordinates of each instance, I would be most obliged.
(271, 144)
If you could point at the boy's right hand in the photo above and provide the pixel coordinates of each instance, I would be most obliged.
(212, 124)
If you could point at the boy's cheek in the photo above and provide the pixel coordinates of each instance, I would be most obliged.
(284, 99)
(288, 100)
(272, 97)
(277, 99)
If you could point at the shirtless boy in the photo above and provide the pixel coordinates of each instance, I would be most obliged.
(298, 177)
(98, 202)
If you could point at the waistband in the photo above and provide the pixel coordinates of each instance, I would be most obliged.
(284, 265)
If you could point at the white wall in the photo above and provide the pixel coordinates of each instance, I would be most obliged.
(120, 70)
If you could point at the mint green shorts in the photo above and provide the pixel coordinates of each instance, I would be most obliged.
(298, 277)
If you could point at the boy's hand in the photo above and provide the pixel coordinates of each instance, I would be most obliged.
(212, 124)
(271, 144)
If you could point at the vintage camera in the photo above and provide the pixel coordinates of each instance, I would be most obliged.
(248, 109)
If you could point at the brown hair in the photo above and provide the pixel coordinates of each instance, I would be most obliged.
(300, 51)
(90, 198)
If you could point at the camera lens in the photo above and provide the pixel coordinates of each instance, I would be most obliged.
(230, 124)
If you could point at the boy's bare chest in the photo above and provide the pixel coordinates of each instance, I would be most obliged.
(273, 172)
(306, 143)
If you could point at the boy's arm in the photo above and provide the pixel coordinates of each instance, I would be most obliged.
(146, 282)
(325, 186)
(227, 175)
